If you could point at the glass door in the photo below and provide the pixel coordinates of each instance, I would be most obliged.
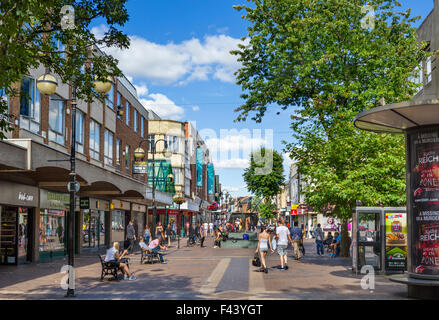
(369, 239)
(8, 235)
(23, 239)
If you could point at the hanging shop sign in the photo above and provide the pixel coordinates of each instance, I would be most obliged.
(210, 178)
(140, 167)
(54, 200)
(396, 241)
(424, 165)
(84, 203)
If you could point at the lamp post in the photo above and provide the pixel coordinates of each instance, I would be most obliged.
(139, 154)
(47, 85)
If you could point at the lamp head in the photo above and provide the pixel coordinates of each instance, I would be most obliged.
(139, 154)
(103, 87)
(47, 84)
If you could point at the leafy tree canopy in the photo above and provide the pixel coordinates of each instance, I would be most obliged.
(32, 32)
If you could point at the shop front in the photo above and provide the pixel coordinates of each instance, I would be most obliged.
(138, 215)
(94, 213)
(17, 215)
(119, 219)
(54, 207)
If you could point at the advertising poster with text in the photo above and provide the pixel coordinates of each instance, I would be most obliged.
(425, 200)
(396, 241)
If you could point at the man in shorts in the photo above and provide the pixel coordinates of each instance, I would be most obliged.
(282, 237)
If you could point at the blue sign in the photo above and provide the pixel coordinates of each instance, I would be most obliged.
(199, 167)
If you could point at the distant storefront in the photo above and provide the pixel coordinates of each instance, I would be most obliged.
(94, 213)
(119, 220)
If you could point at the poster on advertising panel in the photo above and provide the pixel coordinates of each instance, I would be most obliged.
(199, 167)
(331, 224)
(396, 241)
(425, 200)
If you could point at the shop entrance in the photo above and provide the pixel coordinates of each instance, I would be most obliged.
(14, 235)
(93, 229)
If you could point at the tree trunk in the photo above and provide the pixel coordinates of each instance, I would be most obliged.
(345, 239)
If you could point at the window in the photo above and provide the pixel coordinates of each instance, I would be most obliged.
(79, 131)
(5, 98)
(108, 148)
(151, 141)
(428, 67)
(118, 99)
(94, 139)
(56, 119)
(109, 98)
(127, 158)
(118, 154)
(127, 115)
(135, 120)
(177, 173)
(142, 131)
(30, 105)
(173, 143)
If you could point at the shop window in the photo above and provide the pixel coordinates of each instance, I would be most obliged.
(108, 148)
(30, 105)
(94, 140)
(118, 225)
(52, 231)
(56, 119)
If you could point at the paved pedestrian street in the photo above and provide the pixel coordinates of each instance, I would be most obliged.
(201, 273)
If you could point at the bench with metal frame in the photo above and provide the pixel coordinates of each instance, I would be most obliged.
(110, 268)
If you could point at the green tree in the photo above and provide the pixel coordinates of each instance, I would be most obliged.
(32, 32)
(318, 59)
(264, 177)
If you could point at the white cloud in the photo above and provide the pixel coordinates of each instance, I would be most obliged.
(240, 142)
(179, 63)
(142, 90)
(235, 163)
(195, 108)
(163, 106)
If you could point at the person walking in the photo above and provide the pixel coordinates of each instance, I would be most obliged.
(147, 234)
(187, 228)
(296, 235)
(174, 230)
(318, 234)
(264, 243)
(282, 237)
(168, 232)
(159, 232)
(211, 229)
(131, 237)
(203, 233)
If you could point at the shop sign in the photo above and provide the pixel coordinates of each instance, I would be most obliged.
(84, 203)
(424, 166)
(140, 167)
(54, 200)
(22, 196)
(396, 241)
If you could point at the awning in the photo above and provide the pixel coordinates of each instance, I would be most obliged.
(398, 117)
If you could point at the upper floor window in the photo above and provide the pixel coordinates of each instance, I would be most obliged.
(127, 115)
(109, 98)
(173, 143)
(142, 125)
(30, 105)
(79, 131)
(151, 141)
(135, 120)
(56, 119)
(177, 173)
(108, 148)
(127, 158)
(118, 154)
(94, 139)
(118, 99)
(428, 70)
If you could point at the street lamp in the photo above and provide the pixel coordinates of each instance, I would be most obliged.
(139, 154)
(47, 84)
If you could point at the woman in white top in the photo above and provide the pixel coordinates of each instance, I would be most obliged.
(264, 244)
(113, 256)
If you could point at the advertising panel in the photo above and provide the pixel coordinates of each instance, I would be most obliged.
(396, 241)
(331, 224)
(199, 167)
(424, 165)
(210, 178)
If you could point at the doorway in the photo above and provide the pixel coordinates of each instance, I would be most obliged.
(369, 239)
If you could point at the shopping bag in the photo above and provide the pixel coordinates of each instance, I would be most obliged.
(256, 261)
(274, 244)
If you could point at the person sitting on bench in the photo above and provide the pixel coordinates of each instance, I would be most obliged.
(154, 247)
(335, 244)
(113, 256)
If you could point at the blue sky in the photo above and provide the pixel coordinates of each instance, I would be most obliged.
(180, 64)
